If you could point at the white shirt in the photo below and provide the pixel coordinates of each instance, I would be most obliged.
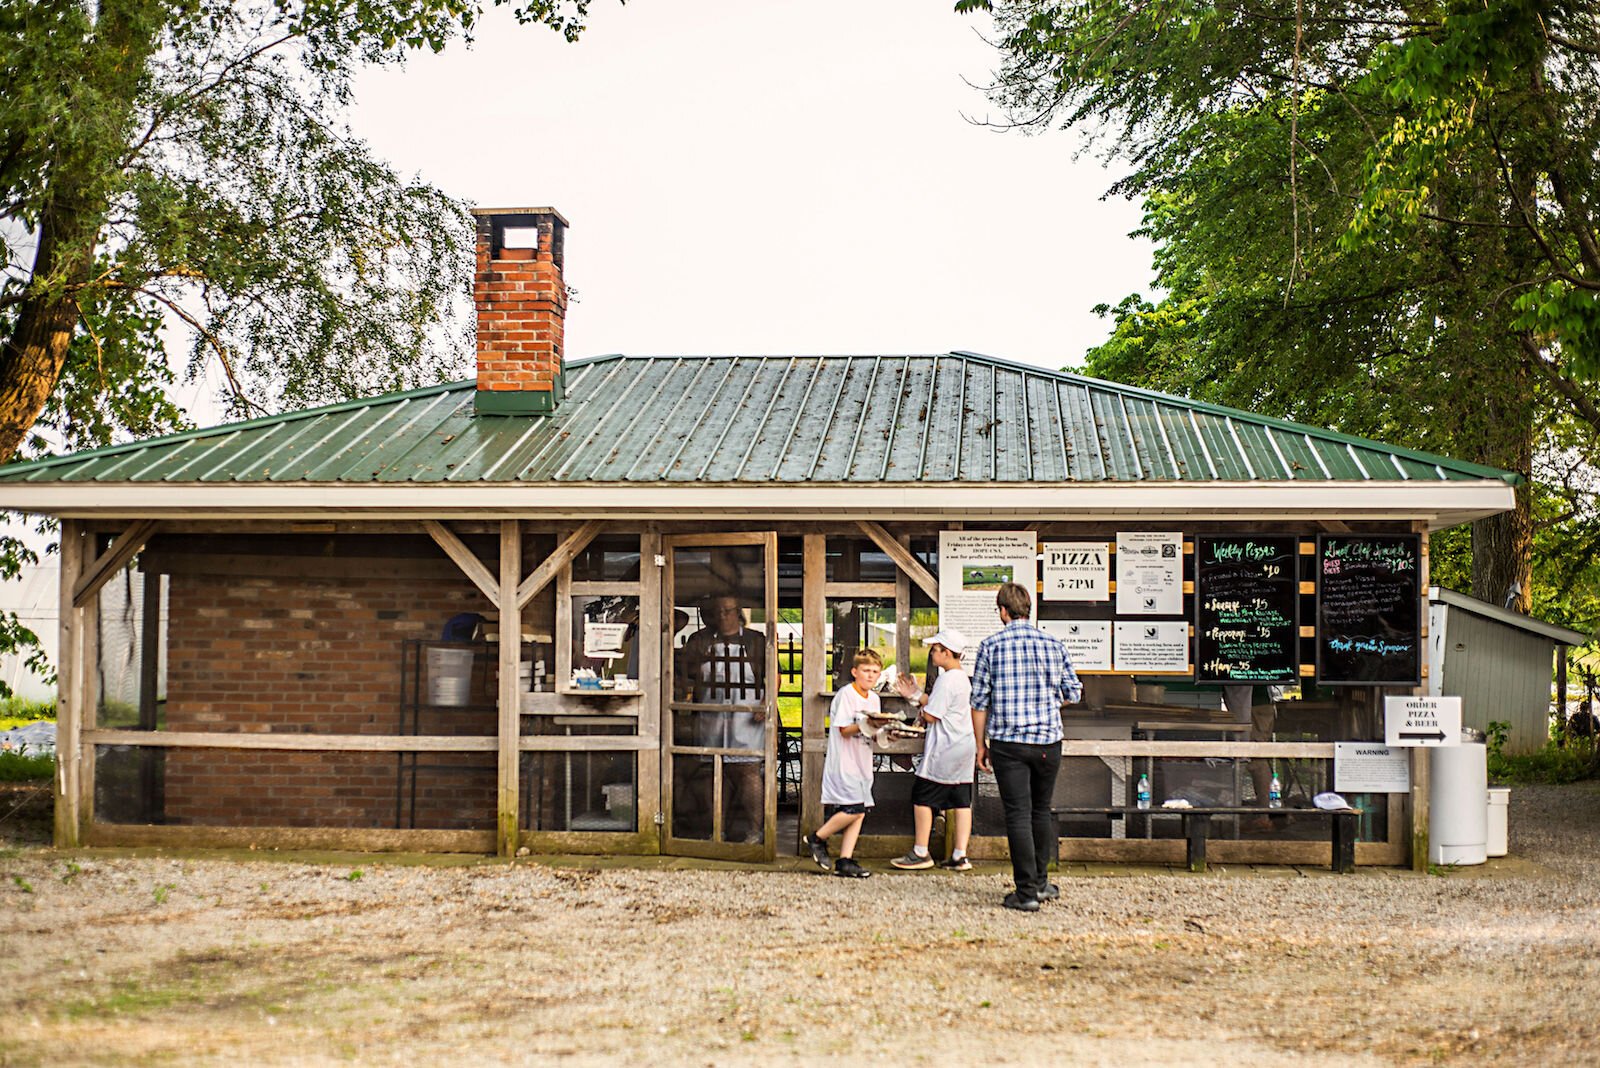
(727, 678)
(847, 771)
(949, 752)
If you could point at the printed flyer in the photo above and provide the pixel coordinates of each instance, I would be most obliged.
(973, 565)
(1076, 571)
(1088, 641)
(1152, 647)
(1150, 573)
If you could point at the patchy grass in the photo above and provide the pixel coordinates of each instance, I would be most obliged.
(26, 767)
(1554, 765)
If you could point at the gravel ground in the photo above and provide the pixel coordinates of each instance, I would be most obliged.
(113, 958)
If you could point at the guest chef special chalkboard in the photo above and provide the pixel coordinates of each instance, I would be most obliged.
(1247, 622)
(1369, 609)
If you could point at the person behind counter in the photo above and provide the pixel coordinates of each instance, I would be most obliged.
(944, 777)
(725, 663)
(847, 769)
(1020, 679)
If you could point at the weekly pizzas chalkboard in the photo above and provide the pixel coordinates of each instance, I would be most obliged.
(1369, 609)
(1247, 601)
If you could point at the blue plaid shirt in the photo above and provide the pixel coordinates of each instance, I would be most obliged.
(1022, 677)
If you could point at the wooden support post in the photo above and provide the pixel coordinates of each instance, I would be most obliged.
(1561, 695)
(652, 646)
(1419, 799)
(69, 670)
(813, 676)
(902, 556)
(510, 700)
(149, 805)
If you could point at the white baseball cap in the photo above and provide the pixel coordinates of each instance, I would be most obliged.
(951, 639)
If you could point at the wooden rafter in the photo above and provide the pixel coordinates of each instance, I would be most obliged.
(465, 559)
(114, 559)
(902, 556)
(569, 548)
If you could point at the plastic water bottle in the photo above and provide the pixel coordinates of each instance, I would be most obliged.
(1275, 794)
(1143, 796)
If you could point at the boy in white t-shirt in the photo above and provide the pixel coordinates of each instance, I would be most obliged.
(944, 778)
(847, 771)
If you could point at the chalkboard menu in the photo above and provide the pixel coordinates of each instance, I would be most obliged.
(1247, 622)
(1369, 609)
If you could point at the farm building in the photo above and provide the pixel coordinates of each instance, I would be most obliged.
(601, 605)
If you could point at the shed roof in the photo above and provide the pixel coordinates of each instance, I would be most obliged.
(1467, 603)
(955, 417)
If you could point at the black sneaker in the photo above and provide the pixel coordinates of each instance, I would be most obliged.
(956, 864)
(1016, 901)
(819, 851)
(913, 861)
(847, 868)
(1050, 892)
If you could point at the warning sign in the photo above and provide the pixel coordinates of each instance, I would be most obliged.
(1414, 721)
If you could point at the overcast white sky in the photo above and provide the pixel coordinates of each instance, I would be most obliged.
(772, 177)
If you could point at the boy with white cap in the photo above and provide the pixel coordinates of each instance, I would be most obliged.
(944, 778)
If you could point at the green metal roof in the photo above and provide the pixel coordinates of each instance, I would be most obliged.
(951, 417)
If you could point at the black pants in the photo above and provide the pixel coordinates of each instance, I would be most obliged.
(1026, 775)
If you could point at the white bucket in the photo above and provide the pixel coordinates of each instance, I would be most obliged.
(449, 676)
(1499, 808)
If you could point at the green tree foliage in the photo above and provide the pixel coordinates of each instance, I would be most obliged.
(180, 171)
(1376, 218)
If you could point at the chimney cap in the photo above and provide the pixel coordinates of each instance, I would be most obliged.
(490, 212)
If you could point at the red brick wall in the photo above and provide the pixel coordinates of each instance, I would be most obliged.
(318, 656)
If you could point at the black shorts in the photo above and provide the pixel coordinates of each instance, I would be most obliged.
(940, 796)
(857, 809)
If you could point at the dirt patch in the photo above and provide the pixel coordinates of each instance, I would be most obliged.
(116, 959)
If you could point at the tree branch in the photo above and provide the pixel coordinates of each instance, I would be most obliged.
(216, 346)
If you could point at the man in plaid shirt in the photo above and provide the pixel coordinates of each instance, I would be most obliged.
(1020, 679)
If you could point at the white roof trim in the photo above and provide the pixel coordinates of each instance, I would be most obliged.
(1440, 504)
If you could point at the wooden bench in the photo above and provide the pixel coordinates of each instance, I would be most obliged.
(1197, 826)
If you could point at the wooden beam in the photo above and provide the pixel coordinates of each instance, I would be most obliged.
(69, 669)
(111, 561)
(337, 743)
(322, 839)
(651, 644)
(902, 556)
(510, 763)
(813, 680)
(569, 548)
(464, 557)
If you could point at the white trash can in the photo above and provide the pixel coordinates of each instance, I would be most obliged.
(1498, 839)
(1458, 811)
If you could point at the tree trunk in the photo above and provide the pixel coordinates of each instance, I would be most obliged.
(82, 175)
(1502, 554)
(33, 356)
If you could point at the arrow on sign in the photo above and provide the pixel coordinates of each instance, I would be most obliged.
(1437, 736)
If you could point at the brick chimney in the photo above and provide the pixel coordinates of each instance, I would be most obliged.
(521, 302)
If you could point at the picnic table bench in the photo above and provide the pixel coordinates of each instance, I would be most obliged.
(1343, 826)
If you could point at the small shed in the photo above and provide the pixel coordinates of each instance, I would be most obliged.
(1497, 662)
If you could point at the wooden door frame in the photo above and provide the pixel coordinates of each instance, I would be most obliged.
(766, 849)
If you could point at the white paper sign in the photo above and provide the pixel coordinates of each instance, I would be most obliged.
(973, 565)
(1149, 573)
(1413, 721)
(1076, 571)
(1088, 641)
(1142, 647)
(603, 641)
(1370, 768)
